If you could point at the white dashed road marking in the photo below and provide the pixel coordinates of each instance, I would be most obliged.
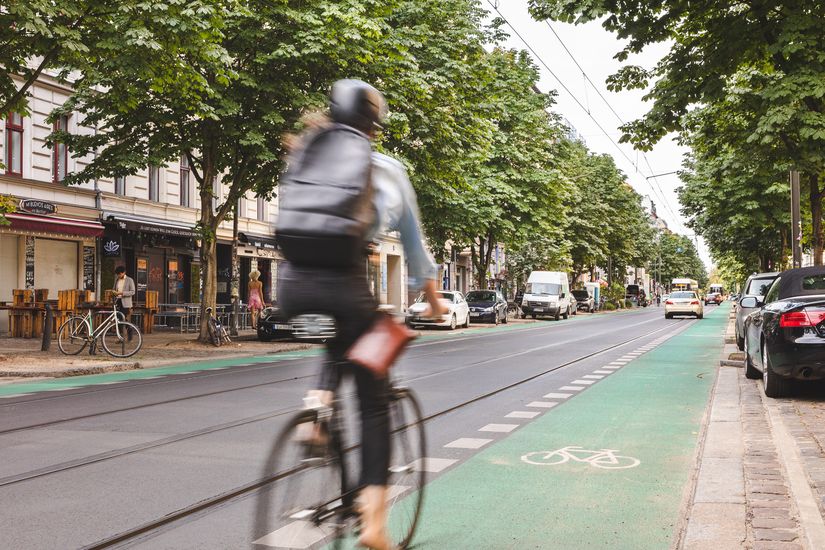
(558, 395)
(571, 388)
(593, 376)
(586, 382)
(521, 414)
(602, 372)
(298, 534)
(542, 404)
(499, 428)
(432, 465)
(468, 443)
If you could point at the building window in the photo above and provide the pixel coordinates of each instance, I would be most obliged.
(154, 183)
(14, 144)
(120, 185)
(185, 194)
(261, 209)
(60, 152)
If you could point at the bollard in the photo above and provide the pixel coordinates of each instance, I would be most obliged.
(48, 324)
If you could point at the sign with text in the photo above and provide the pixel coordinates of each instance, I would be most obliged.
(35, 206)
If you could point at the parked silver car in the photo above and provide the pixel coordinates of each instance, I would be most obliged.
(756, 286)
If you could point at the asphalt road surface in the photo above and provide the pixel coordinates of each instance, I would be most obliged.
(87, 460)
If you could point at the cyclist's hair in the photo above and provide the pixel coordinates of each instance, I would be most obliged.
(120, 269)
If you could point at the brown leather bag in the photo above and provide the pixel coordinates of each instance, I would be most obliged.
(379, 347)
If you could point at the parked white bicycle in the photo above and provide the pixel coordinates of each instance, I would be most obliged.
(119, 337)
(603, 458)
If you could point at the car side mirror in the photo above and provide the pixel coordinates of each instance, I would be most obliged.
(751, 302)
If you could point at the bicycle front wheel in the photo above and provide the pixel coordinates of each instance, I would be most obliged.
(407, 475)
(303, 505)
(73, 335)
(214, 332)
(122, 340)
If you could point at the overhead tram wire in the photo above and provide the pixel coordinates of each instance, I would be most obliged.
(561, 83)
(587, 78)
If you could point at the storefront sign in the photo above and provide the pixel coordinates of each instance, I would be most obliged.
(34, 206)
(88, 268)
(29, 262)
(161, 229)
(111, 247)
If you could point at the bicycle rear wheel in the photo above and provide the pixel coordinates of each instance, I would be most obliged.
(73, 335)
(122, 340)
(303, 506)
(407, 478)
(214, 332)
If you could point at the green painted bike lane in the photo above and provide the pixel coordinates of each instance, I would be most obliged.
(57, 384)
(650, 410)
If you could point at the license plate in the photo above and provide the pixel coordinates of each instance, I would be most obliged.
(538, 309)
(475, 315)
(282, 327)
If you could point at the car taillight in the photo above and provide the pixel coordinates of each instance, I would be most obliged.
(694, 302)
(668, 302)
(809, 317)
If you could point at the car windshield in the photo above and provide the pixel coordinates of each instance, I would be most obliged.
(683, 295)
(759, 287)
(553, 289)
(449, 296)
(581, 294)
(481, 296)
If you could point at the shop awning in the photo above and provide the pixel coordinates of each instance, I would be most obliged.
(132, 222)
(55, 224)
(259, 241)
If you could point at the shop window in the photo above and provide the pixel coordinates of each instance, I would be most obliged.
(14, 144)
(185, 192)
(261, 209)
(154, 183)
(60, 151)
(120, 185)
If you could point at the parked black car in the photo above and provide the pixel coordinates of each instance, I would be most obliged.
(487, 306)
(272, 325)
(785, 336)
(584, 301)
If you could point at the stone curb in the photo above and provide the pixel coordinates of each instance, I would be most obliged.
(78, 371)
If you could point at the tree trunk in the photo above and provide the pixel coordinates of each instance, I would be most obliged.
(817, 238)
(209, 282)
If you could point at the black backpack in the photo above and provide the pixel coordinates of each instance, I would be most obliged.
(325, 199)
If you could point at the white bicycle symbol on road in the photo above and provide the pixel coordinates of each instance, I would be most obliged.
(604, 458)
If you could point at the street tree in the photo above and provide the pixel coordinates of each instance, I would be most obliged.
(224, 103)
(774, 51)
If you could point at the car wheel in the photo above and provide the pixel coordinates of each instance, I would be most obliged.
(751, 372)
(556, 317)
(775, 386)
(566, 313)
(700, 315)
(467, 321)
(533, 315)
(524, 316)
(453, 322)
(740, 342)
(668, 316)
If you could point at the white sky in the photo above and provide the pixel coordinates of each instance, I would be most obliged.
(594, 48)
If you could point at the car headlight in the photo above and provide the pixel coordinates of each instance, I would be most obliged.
(487, 310)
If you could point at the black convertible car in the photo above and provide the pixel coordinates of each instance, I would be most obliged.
(785, 336)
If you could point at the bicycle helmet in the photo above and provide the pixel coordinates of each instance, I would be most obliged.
(357, 104)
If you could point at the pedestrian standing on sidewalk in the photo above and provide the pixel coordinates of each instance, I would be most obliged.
(256, 299)
(124, 290)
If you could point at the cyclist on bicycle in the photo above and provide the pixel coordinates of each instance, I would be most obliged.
(344, 293)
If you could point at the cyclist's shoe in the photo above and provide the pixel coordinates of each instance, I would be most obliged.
(314, 435)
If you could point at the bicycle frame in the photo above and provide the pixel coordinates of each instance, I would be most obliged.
(111, 319)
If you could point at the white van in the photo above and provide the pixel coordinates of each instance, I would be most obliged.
(548, 294)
